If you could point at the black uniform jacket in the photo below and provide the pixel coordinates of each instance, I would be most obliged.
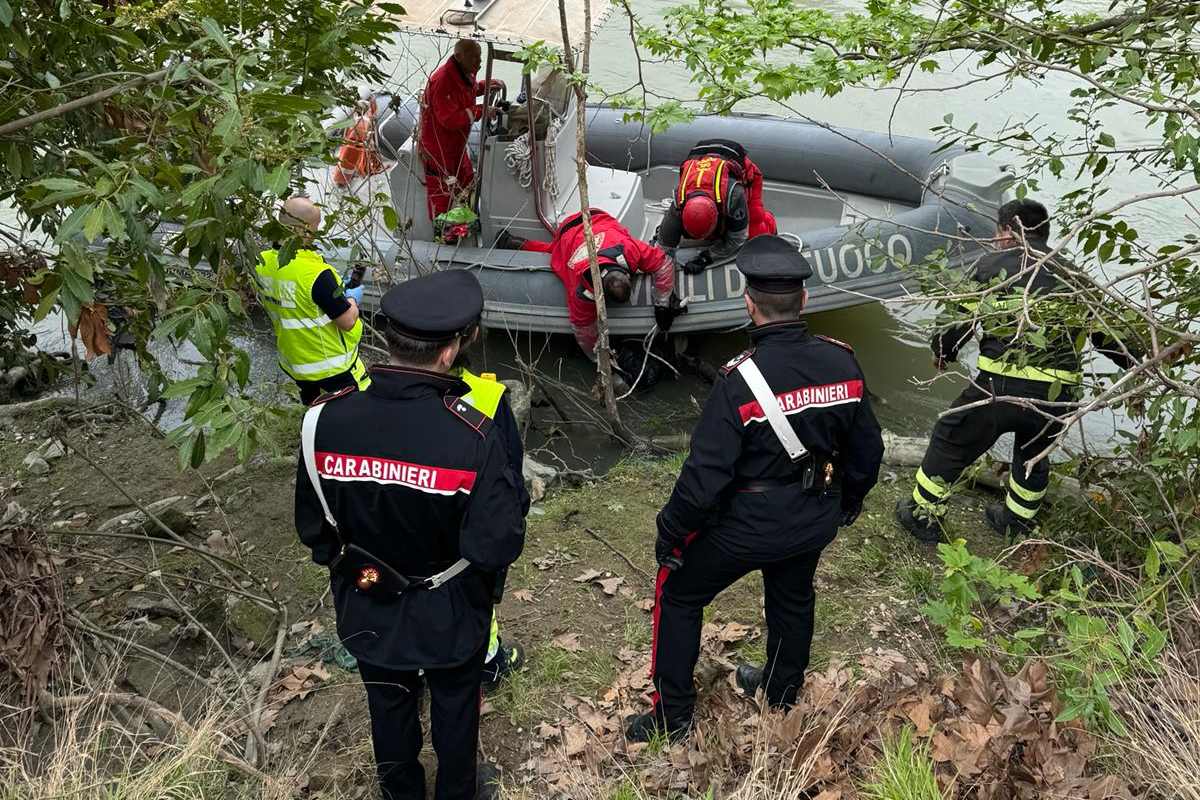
(417, 480)
(1002, 312)
(822, 391)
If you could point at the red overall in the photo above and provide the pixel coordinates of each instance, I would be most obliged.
(448, 109)
(711, 175)
(569, 260)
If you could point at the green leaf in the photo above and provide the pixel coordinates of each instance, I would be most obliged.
(93, 226)
(49, 297)
(1106, 140)
(1151, 564)
(229, 125)
(6, 14)
(278, 180)
(213, 29)
(114, 222)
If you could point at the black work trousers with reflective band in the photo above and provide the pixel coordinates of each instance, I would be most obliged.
(960, 438)
(681, 596)
(394, 700)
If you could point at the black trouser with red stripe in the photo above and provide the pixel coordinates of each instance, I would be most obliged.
(394, 700)
(707, 570)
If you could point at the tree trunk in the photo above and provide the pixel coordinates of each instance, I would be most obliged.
(603, 353)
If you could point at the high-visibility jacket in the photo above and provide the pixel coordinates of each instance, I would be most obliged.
(485, 393)
(311, 346)
(1004, 347)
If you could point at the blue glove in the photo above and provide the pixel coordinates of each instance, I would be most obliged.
(355, 294)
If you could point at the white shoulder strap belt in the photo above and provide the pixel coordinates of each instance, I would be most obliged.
(770, 407)
(308, 446)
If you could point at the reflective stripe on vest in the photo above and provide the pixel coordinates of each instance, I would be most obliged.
(706, 166)
(485, 392)
(311, 346)
(1044, 374)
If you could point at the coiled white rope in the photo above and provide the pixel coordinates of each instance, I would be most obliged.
(517, 157)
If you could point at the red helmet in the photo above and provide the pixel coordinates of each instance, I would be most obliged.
(699, 216)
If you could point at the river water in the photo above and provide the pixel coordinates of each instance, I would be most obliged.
(895, 360)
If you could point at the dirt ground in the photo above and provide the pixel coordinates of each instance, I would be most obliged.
(577, 605)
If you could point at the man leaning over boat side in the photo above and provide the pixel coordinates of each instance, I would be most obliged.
(718, 197)
(620, 255)
(448, 110)
(315, 317)
(1007, 367)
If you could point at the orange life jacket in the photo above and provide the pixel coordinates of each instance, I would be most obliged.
(357, 156)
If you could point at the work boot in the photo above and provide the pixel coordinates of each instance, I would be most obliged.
(509, 658)
(506, 241)
(645, 727)
(487, 782)
(923, 527)
(749, 678)
(1006, 523)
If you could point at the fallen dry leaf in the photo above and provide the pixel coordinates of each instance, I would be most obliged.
(647, 604)
(523, 595)
(574, 740)
(568, 642)
(587, 576)
(609, 585)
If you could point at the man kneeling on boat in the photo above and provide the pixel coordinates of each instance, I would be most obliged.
(718, 199)
(620, 256)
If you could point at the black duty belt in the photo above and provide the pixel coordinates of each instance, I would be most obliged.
(814, 475)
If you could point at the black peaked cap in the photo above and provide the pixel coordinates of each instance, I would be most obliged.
(773, 264)
(434, 307)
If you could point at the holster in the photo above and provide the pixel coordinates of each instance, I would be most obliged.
(353, 562)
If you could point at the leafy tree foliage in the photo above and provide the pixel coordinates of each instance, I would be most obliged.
(1133, 59)
(139, 139)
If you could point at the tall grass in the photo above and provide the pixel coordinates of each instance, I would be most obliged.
(903, 772)
(88, 757)
(1161, 745)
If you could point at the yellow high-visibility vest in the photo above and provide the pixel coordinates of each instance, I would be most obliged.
(311, 346)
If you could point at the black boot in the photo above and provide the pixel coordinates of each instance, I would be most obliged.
(487, 782)
(509, 658)
(506, 241)
(749, 678)
(1006, 523)
(645, 727)
(924, 527)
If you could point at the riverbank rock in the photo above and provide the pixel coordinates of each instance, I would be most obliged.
(520, 399)
(35, 465)
(164, 509)
(538, 477)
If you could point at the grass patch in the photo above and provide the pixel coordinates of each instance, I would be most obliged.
(551, 672)
(903, 772)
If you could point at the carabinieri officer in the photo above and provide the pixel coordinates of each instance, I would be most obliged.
(785, 451)
(406, 492)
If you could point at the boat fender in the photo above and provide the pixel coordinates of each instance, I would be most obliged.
(838, 342)
(325, 398)
(732, 363)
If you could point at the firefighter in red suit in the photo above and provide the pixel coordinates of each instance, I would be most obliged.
(620, 256)
(448, 110)
(719, 197)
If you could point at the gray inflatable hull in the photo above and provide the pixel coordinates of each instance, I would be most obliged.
(927, 202)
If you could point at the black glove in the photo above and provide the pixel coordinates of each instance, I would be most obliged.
(353, 278)
(664, 554)
(664, 316)
(698, 264)
(850, 512)
(665, 547)
(504, 105)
